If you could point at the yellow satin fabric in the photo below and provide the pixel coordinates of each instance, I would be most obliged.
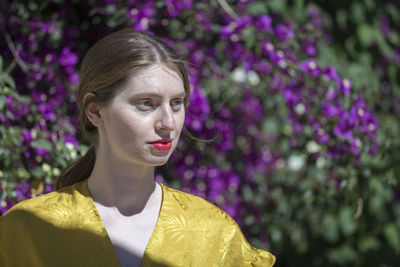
(64, 228)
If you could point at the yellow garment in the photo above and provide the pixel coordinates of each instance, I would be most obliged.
(64, 228)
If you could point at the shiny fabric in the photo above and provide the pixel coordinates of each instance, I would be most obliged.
(64, 228)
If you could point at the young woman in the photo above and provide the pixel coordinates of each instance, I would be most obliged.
(107, 209)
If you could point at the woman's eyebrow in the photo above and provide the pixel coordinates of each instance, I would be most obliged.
(180, 94)
(150, 94)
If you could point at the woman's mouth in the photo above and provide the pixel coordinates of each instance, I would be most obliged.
(162, 144)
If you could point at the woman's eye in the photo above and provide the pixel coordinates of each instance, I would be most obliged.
(145, 103)
(176, 104)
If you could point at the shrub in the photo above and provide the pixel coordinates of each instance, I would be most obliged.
(304, 130)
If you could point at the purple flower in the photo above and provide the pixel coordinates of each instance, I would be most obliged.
(355, 146)
(167, 41)
(198, 109)
(42, 125)
(23, 191)
(316, 18)
(243, 21)
(27, 154)
(48, 27)
(310, 66)
(141, 16)
(370, 125)
(233, 180)
(343, 129)
(276, 56)
(396, 57)
(277, 84)
(333, 151)
(233, 30)
(74, 78)
(263, 23)
(40, 151)
(297, 128)
(225, 113)
(67, 58)
(251, 108)
(263, 67)
(46, 111)
(36, 75)
(267, 46)
(329, 110)
(284, 31)
(27, 136)
(292, 95)
(309, 47)
(321, 136)
(385, 26)
(373, 149)
(174, 7)
(331, 73)
(71, 139)
(345, 86)
(197, 57)
(8, 205)
(228, 30)
(225, 132)
(204, 21)
(230, 208)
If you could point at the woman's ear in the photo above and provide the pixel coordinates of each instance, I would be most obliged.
(93, 111)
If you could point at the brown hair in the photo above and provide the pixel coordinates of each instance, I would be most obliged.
(104, 69)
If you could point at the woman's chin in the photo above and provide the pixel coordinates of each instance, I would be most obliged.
(159, 161)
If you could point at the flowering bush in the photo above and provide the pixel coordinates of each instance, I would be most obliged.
(303, 132)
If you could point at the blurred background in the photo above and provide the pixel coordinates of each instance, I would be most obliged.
(300, 99)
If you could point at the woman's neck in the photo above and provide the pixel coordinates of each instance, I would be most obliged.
(123, 186)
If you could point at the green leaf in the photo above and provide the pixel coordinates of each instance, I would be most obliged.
(393, 12)
(370, 4)
(358, 12)
(278, 5)
(270, 126)
(257, 8)
(368, 243)
(366, 34)
(347, 223)
(342, 255)
(392, 235)
(330, 229)
(247, 193)
(10, 115)
(2, 101)
(341, 18)
(249, 35)
(42, 143)
(4, 152)
(382, 44)
(394, 38)
(9, 80)
(37, 172)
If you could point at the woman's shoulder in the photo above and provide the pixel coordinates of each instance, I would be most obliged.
(42, 205)
(197, 207)
(202, 220)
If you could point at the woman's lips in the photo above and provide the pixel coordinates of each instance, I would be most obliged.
(162, 144)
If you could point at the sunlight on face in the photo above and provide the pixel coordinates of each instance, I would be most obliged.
(143, 122)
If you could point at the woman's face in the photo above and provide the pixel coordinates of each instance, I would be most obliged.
(143, 122)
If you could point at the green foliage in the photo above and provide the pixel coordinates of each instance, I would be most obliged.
(325, 213)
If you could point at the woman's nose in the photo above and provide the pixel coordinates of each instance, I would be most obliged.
(166, 120)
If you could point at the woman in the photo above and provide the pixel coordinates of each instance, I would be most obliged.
(108, 210)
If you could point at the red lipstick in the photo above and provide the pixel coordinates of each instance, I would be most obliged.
(162, 144)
